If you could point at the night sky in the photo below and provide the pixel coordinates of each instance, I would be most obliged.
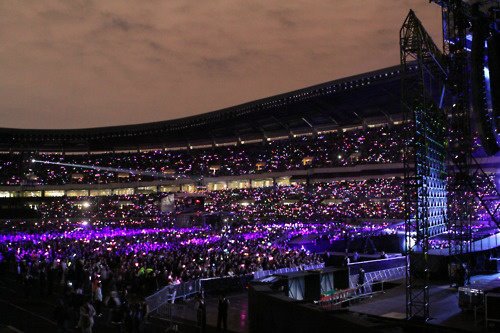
(85, 63)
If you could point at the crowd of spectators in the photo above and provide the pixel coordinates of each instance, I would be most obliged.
(335, 200)
(119, 248)
(119, 266)
(112, 208)
(349, 201)
(140, 261)
(337, 149)
(326, 201)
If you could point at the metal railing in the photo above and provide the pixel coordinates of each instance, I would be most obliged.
(262, 274)
(339, 299)
(378, 270)
(170, 293)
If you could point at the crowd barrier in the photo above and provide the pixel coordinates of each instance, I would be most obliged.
(338, 296)
(262, 274)
(225, 284)
(170, 293)
(342, 298)
(378, 270)
(378, 264)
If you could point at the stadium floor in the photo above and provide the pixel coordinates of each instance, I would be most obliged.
(185, 312)
(35, 314)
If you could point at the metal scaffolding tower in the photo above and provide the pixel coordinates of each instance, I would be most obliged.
(445, 186)
(424, 158)
(466, 176)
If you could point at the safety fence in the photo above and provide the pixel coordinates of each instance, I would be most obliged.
(377, 270)
(343, 298)
(225, 284)
(262, 274)
(170, 293)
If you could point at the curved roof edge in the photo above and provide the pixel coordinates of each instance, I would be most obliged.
(328, 99)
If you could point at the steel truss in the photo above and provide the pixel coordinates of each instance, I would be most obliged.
(424, 158)
(466, 176)
(438, 105)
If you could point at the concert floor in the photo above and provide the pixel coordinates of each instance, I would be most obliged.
(444, 307)
(185, 313)
(390, 306)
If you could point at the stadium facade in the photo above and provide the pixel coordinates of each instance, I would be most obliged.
(365, 101)
(361, 100)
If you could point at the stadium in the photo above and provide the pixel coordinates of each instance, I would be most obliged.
(347, 202)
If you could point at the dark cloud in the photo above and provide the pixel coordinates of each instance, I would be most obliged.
(284, 17)
(85, 63)
(67, 11)
(114, 21)
(215, 65)
(154, 45)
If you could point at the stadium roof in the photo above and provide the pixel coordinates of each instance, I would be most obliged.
(353, 101)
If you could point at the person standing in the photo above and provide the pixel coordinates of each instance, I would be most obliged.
(87, 313)
(347, 261)
(28, 283)
(461, 275)
(98, 299)
(61, 315)
(222, 313)
(361, 280)
(42, 278)
(201, 314)
(51, 273)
